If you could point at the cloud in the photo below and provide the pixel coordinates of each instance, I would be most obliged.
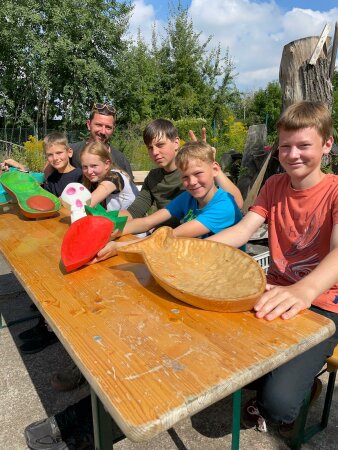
(143, 18)
(255, 33)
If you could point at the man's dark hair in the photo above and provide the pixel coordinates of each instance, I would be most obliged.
(158, 128)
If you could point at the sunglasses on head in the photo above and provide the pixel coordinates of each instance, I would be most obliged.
(104, 107)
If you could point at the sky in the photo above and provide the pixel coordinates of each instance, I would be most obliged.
(254, 31)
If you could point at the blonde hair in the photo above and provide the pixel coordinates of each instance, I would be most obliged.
(102, 151)
(307, 114)
(194, 150)
(55, 138)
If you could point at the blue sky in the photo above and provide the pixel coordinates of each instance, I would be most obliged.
(254, 31)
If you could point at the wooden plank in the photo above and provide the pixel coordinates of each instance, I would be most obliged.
(139, 176)
(320, 44)
(143, 352)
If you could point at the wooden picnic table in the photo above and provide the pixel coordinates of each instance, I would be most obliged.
(151, 359)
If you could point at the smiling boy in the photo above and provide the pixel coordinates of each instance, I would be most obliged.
(301, 208)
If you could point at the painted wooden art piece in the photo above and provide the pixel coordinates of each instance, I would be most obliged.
(83, 239)
(205, 274)
(98, 210)
(33, 201)
(74, 197)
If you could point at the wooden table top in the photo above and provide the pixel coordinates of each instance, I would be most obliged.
(150, 358)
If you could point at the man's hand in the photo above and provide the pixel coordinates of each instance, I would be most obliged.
(282, 301)
(106, 252)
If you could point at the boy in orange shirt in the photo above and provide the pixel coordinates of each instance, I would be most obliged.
(301, 208)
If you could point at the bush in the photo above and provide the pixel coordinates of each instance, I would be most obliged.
(34, 155)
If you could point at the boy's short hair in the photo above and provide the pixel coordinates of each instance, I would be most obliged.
(158, 128)
(194, 150)
(307, 114)
(55, 138)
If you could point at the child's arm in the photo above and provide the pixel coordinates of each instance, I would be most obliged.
(124, 212)
(143, 224)
(7, 163)
(287, 301)
(240, 233)
(227, 185)
(105, 188)
(132, 227)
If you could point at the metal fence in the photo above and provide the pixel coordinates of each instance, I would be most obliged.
(20, 135)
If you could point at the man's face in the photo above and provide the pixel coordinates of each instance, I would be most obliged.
(101, 127)
(163, 151)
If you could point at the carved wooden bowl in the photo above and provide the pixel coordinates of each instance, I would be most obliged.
(205, 274)
(33, 201)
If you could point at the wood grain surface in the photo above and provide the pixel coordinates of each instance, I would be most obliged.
(151, 359)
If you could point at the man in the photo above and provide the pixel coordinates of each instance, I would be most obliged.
(101, 125)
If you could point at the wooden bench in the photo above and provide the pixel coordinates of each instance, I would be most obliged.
(139, 177)
(303, 434)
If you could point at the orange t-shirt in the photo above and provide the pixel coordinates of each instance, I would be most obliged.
(300, 224)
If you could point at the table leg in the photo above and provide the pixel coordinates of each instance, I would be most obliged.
(236, 419)
(16, 321)
(103, 430)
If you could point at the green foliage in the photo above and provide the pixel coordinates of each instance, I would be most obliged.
(58, 57)
(263, 106)
(235, 135)
(34, 155)
(184, 125)
(129, 141)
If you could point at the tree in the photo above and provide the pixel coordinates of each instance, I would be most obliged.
(264, 106)
(135, 82)
(58, 57)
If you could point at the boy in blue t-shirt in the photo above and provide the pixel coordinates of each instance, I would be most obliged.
(204, 209)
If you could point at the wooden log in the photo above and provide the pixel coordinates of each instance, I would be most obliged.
(253, 158)
(299, 79)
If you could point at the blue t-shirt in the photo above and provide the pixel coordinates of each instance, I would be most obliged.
(220, 213)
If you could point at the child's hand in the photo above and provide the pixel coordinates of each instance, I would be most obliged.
(106, 252)
(281, 301)
(7, 163)
(203, 138)
(203, 135)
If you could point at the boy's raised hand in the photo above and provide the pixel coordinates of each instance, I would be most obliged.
(281, 301)
(203, 135)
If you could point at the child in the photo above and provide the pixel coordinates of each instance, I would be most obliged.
(301, 208)
(109, 185)
(58, 154)
(164, 183)
(204, 208)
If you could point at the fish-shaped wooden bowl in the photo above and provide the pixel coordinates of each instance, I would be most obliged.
(33, 201)
(205, 274)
